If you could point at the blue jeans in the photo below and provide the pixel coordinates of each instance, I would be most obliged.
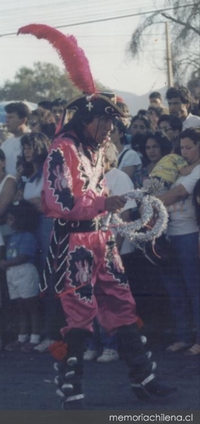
(101, 338)
(182, 282)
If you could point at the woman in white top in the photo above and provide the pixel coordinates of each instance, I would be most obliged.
(182, 280)
(35, 149)
(34, 152)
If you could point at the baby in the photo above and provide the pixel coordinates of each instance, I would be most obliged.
(166, 172)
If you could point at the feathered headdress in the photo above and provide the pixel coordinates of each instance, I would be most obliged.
(73, 57)
(78, 69)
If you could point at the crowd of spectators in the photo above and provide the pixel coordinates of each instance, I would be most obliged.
(158, 142)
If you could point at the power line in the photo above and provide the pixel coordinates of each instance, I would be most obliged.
(91, 9)
(111, 19)
(88, 5)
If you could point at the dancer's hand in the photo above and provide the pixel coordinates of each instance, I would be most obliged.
(115, 203)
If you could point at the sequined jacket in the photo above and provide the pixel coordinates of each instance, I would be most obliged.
(74, 184)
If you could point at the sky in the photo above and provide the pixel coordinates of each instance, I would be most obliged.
(105, 43)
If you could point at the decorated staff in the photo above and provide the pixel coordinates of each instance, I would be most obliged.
(89, 276)
(150, 207)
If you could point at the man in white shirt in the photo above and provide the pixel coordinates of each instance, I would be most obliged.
(128, 159)
(119, 183)
(179, 101)
(17, 124)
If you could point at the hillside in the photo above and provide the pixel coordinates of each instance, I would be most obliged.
(135, 102)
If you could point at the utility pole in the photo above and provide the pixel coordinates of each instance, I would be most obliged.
(169, 57)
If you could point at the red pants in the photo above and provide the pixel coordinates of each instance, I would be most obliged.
(96, 284)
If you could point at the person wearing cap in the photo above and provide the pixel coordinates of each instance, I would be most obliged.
(89, 276)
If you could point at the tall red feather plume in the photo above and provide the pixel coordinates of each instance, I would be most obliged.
(73, 57)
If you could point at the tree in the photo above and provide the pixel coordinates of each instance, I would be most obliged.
(44, 81)
(184, 32)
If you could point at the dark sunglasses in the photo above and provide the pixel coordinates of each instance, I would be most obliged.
(165, 129)
(32, 123)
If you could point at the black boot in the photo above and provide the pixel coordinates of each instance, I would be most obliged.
(68, 384)
(152, 388)
(143, 380)
(70, 371)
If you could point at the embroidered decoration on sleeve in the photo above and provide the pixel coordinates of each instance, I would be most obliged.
(60, 180)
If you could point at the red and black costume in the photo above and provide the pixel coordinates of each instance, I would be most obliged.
(89, 276)
(86, 258)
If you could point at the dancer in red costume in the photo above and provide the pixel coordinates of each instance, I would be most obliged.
(89, 276)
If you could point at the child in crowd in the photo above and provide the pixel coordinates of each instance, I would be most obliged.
(167, 170)
(22, 276)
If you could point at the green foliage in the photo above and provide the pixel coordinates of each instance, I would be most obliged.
(44, 81)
